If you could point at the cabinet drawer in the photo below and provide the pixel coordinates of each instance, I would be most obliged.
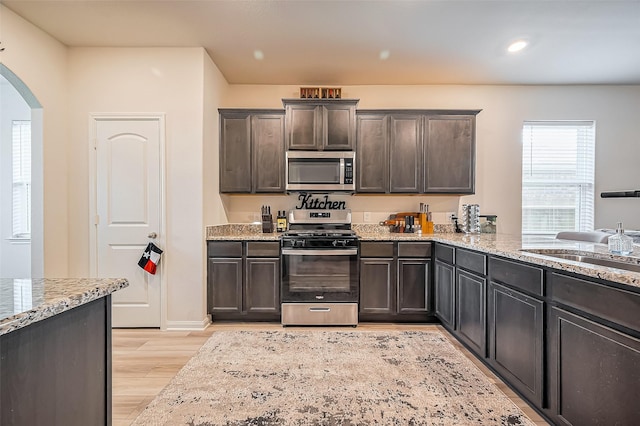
(471, 261)
(518, 275)
(612, 304)
(263, 249)
(376, 249)
(422, 250)
(445, 253)
(224, 249)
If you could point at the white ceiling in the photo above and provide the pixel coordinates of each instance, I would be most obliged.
(339, 42)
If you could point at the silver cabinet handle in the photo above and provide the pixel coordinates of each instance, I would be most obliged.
(319, 309)
(152, 235)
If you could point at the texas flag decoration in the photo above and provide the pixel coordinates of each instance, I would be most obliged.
(150, 258)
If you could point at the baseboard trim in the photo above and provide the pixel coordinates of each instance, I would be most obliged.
(188, 325)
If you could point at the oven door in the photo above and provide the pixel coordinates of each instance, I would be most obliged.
(320, 275)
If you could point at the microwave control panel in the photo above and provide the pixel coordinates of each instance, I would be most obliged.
(348, 171)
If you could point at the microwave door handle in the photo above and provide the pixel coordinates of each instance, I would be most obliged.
(341, 171)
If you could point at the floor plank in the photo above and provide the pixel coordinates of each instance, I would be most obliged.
(145, 360)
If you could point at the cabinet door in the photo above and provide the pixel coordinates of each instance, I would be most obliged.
(516, 339)
(445, 293)
(414, 293)
(449, 154)
(377, 286)
(303, 126)
(405, 153)
(338, 127)
(372, 164)
(594, 372)
(268, 152)
(235, 152)
(224, 279)
(262, 286)
(471, 318)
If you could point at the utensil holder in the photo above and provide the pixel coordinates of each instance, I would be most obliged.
(470, 218)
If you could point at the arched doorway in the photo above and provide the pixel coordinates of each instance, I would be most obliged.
(21, 186)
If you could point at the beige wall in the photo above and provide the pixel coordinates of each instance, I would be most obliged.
(41, 63)
(214, 213)
(149, 80)
(498, 178)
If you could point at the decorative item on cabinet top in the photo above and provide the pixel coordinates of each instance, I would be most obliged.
(320, 92)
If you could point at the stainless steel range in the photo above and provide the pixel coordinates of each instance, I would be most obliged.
(320, 269)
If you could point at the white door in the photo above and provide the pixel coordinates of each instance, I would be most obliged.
(128, 207)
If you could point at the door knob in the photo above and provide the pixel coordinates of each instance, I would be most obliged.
(153, 235)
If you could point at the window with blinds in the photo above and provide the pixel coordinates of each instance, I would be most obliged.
(557, 176)
(21, 167)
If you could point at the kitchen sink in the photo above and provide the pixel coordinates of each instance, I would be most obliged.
(630, 265)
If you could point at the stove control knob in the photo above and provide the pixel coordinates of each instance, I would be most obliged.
(300, 243)
(335, 243)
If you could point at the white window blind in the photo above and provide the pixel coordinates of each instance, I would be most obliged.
(557, 176)
(21, 166)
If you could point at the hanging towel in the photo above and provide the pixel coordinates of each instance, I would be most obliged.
(150, 258)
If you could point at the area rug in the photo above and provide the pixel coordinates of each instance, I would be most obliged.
(330, 378)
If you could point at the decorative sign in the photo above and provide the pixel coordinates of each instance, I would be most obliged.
(309, 202)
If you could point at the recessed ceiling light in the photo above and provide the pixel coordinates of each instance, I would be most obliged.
(517, 46)
(258, 55)
(384, 55)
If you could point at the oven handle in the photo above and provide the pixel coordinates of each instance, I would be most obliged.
(312, 252)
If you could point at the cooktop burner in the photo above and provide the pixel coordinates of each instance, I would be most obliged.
(320, 233)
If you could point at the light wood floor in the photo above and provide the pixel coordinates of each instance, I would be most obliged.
(145, 360)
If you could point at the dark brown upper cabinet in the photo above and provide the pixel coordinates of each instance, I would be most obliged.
(372, 153)
(317, 125)
(251, 151)
(415, 151)
(449, 154)
(405, 146)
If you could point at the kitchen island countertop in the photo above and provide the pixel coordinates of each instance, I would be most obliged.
(26, 301)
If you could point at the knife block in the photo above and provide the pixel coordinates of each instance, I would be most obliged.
(267, 224)
(425, 224)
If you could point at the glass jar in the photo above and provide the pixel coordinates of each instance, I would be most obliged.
(619, 243)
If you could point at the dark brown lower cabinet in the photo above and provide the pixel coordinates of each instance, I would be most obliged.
(445, 293)
(377, 283)
(516, 339)
(594, 372)
(413, 286)
(471, 301)
(224, 276)
(262, 286)
(395, 281)
(243, 280)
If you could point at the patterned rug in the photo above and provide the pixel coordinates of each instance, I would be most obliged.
(330, 378)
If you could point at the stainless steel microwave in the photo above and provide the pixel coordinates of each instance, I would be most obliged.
(320, 171)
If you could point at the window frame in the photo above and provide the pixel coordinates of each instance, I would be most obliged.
(564, 163)
(21, 180)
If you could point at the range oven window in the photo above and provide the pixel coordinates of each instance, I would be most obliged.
(327, 275)
(311, 170)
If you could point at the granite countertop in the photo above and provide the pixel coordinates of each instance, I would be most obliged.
(240, 232)
(505, 245)
(26, 301)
